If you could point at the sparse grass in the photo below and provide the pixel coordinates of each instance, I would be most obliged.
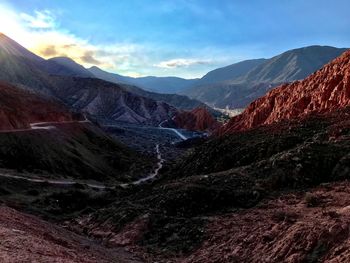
(285, 216)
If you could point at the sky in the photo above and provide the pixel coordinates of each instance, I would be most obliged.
(184, 38)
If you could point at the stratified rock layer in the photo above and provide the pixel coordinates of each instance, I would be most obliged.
(324, 91)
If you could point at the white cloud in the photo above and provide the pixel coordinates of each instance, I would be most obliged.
(40, 32)
(181, 62)
(40, 20)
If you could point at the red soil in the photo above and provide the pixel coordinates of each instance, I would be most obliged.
(19, 108)
(293, 228)
(25, 238)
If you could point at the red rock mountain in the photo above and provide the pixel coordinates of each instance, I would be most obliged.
(198, 119)
(326, 90)
(19, 108)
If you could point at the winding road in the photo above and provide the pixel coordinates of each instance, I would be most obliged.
(96, 186)
(39, 126)
(173, 130)
(49, 126)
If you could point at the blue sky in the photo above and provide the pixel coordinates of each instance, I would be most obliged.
(185, 38)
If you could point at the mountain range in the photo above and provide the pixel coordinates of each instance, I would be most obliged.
(63, 79)
(237, 85)
(233, 86)
(135, 85)
(156, 84)
(324, 91)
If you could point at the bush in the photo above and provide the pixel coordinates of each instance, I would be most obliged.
(312, 200)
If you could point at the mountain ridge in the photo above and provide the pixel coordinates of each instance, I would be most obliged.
(325, 90)
(286, 67)
(23, 68)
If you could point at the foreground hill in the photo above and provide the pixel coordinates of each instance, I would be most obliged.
(324, 91)
(30, 239)
(64, 145)
(252, 79)
(296, 227)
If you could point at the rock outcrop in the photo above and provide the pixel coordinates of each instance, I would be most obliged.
(198, 119)
(324, 91)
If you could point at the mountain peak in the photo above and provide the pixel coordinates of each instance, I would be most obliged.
(62, 59)
(74, 69)
(11, 47)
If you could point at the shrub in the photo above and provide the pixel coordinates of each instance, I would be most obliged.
(312, 200)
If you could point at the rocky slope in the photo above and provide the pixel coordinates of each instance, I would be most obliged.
(19, 108)
(25, 238)
(109, 101)
(297, 227)
(259, 76)
(326, 90)
(198, 119)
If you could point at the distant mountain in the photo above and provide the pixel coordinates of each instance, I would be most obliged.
(230, 72)
(293, 65)
(55, 78)
(67, 67)
(178, 101)
(109, 101)
(166, 85)
(324, 91)
(252, 79)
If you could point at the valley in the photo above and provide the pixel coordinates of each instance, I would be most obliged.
(176, 132)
